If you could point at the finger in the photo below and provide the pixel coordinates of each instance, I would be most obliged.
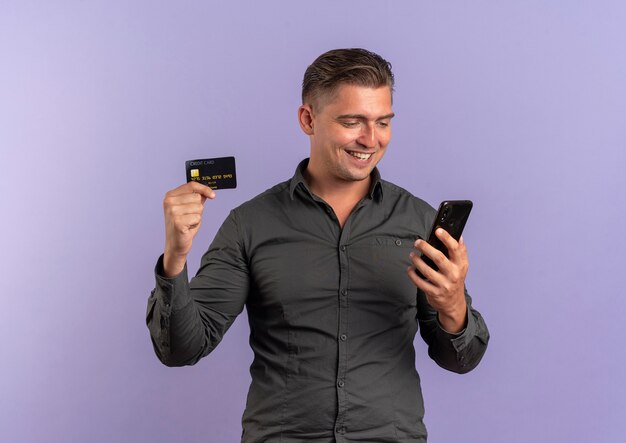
(462, 251)
(434, 277)
(188, 222)
(183, 199)
(192, 187)
(424, 285)
(463, 247)
(190, 208)
(446, 239)
(438, 257)
(182, 189)
(203, 190)
(456, 251)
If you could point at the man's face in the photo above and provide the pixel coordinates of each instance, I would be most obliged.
(350, 131)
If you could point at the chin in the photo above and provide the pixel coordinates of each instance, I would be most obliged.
(357, 177)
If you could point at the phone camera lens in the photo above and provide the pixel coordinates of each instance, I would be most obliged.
(445, 213)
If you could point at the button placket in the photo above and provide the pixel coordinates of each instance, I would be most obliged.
(343, 305)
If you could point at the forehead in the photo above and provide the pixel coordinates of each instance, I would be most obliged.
(356, 99)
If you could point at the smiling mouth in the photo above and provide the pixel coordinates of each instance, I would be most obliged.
(360, 155)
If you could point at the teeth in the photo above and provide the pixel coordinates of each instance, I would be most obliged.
(359, 155)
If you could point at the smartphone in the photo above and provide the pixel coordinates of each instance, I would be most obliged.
(451, 216)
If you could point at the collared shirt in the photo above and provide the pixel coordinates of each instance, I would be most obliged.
(332, 314)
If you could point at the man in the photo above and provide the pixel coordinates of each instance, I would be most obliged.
(326, 268)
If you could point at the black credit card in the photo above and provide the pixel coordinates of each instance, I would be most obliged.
(216, 173)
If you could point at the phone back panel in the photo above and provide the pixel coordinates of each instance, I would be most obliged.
(451, 216)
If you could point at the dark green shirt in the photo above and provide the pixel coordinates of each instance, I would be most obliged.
(332, 314)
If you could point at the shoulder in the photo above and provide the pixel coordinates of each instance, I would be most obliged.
(406, 208)
(398, 194)
(268, 201)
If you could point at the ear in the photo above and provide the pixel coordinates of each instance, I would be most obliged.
(305, 118)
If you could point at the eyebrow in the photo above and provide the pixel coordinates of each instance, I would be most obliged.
(362, 117)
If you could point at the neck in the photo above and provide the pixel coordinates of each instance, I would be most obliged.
(332, 189)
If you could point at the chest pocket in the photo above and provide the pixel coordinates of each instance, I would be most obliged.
(398, 242)
(382, 262)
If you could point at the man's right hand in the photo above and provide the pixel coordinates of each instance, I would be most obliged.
(182, 208)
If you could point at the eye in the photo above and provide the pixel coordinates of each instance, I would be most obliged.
(350, 123)
(383, 123)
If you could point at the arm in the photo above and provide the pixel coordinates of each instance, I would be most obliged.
(456, 334)
(457, 352)
(187, 320)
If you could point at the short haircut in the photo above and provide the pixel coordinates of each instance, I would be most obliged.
(355, 66)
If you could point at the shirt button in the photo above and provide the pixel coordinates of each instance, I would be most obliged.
(343, 337)
(344, 292)
(340, 383)
(343, 248)
(398, 242)
(339, 430)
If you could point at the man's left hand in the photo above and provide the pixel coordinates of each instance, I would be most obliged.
(444, 289)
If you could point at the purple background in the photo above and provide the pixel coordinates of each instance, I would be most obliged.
(519, 106)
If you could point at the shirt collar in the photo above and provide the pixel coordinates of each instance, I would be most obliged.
(376, 186)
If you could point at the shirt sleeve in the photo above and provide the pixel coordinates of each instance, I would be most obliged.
(187, 319)
(459, 352)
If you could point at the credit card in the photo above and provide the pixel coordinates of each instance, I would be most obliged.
(216, 173)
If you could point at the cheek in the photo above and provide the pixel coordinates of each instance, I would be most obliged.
(334, 137)
(385, 138)
(346, 138)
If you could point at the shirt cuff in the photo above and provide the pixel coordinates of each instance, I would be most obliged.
(173, 291)
(462, 338)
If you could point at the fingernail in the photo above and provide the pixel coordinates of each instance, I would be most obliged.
(417, 242)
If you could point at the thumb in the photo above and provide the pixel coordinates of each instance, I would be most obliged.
(203, 190)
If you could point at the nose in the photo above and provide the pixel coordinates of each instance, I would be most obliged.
(368, 136)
